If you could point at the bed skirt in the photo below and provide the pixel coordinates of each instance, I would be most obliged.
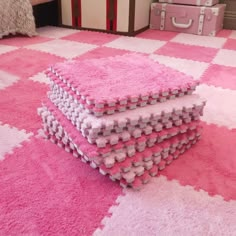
(46, 13)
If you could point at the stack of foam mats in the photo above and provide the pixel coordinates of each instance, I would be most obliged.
(127, 116)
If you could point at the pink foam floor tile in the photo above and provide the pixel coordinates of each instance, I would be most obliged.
(64, 131)
(190, 52)
(230, 44)
(25, 62)
(110, 71)
(45, 191)
(20, 41)
(220, 76)
(120, 122)
(19, 103)
(157, 35)
(91, 37)
(210, 165)
(224, 33)
(94, 150)
(101, 52)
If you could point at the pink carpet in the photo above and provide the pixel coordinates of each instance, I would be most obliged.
(46, 191)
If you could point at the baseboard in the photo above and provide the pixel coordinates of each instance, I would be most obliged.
(133, 33)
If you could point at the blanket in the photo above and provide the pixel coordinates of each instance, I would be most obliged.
(16, 17)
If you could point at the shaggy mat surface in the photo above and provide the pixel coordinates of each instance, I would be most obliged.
(47, 191)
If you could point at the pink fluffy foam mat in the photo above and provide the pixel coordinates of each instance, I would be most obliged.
(127, 139)
(131, 124)
(45, 190)
(109, 85)
(132, 165)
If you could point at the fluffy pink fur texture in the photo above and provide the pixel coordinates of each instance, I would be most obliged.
(131, 161)
(47, 191)
(86, 79)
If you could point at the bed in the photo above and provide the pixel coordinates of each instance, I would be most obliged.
(45, 12)
(36, 2)
(23, 16)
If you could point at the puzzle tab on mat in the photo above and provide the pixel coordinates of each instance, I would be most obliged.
(127, 116)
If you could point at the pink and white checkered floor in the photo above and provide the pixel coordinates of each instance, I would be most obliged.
(46, 191)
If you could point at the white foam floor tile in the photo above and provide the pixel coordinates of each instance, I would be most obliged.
(11, 137)
(7, 79)
(5, 49)
(220, 107)
(63, 48)
(141, 112)
(55, 32)
(225, 57)
(41, 78)
(189, 67)
(136, 44)
(233, 34)
(205, 41)
(166, 208)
